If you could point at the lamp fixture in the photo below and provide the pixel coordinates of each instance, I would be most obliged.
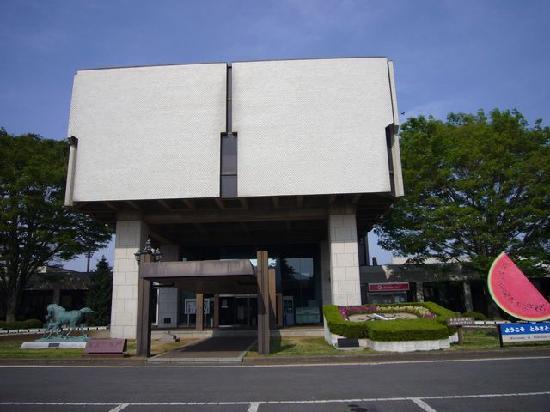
(156, 254)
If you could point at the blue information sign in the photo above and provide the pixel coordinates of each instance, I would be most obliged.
(525, 332)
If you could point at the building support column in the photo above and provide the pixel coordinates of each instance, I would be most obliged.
(131, 233)
(199, 322)
(344, 260)
(468, 302)
(420, 291)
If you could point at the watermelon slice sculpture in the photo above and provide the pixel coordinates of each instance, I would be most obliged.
(514, 293)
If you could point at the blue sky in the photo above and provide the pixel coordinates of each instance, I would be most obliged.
(449, 55)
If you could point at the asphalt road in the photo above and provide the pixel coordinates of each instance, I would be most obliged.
(516, 384)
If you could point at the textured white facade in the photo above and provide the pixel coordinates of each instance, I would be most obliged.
(304, 127)
(148, 132)
(344, 260)
(312, 126)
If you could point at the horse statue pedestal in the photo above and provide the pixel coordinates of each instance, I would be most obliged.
(55, 336)
(53, 345)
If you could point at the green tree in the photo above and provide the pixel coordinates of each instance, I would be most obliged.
(101, 292)
(475, 186)
(35, 227)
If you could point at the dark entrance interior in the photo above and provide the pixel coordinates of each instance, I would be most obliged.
(238, 311)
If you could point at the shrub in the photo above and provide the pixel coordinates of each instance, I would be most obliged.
(21, 324)
(406, 329)
(339, 326)
(475, 315)
(391, 330)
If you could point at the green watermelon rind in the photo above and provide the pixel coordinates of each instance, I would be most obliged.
(504, 308)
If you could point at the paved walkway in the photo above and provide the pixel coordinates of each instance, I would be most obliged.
(214, 349)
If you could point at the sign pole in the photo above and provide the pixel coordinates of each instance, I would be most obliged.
(500, 341)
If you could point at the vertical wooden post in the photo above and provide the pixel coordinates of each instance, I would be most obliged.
(460, 333)
(143, 333)
(199, 318)
(262, 278)
(216, 313)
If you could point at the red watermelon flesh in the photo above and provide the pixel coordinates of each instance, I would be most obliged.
(514, 293)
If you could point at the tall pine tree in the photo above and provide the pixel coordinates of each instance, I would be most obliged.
(100, 293)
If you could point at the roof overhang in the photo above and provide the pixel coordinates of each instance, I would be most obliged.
(204, 276)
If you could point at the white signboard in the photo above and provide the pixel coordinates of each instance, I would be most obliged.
(190, 306)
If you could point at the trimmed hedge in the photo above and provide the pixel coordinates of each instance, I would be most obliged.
(21, 324)
(339, 326)
(393, 330)
(406, 329)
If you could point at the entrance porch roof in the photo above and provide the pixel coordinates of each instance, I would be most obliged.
(204, 276)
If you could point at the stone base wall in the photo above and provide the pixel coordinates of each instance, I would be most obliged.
(344, 260)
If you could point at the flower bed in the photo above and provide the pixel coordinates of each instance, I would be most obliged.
(431, 324)
(418, 310)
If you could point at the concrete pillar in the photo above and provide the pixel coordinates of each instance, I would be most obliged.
(344, 260)
(131, 233)
(167, 301)
(325, 274)
(468, 303)
(420, 291)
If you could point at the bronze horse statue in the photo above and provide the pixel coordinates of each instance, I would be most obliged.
(57, 317)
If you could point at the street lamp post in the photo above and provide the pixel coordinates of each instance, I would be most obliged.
(143, 333)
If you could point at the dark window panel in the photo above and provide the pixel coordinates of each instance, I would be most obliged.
(229, 186)
(229, 154)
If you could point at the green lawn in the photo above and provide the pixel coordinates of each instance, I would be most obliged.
(304, 346)
(488, 339)
(474, 339)
(10, 348)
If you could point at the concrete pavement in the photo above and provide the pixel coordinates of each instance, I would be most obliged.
(509, 384)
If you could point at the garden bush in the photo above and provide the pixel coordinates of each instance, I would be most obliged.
(391, 330)
(21, 324)
(406, 329)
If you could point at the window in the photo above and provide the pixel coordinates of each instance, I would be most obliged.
(228, 167)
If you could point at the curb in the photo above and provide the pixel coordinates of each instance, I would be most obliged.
(292, 360)
(397, 357)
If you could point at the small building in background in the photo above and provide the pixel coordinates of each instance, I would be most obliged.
(453, 285)
(53, 284)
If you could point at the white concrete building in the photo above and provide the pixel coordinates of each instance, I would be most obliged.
(215, 161)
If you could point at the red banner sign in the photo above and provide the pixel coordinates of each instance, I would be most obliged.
(389, 287)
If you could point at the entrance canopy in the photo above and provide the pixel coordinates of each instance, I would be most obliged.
(204, 276)
(207, 274)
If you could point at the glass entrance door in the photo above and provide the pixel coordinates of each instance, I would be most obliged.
(238, 311)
